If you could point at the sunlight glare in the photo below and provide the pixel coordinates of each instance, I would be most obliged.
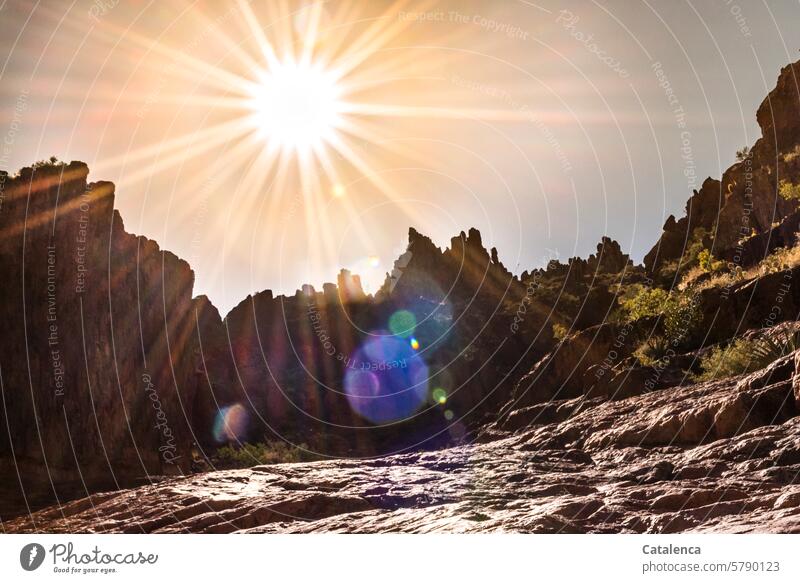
(296, 106)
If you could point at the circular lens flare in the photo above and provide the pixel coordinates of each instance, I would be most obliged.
(387, 381)
(402, 323)
(230, 423)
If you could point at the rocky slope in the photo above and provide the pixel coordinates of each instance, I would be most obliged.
(721, 456)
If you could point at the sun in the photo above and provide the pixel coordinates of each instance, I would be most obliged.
(296, 106)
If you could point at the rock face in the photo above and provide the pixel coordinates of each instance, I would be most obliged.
(106, 352)
(580, 290)
(289, 362)
(99, 343)
(720, 456)
(746, 199)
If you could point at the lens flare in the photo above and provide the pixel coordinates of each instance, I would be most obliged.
(448, 415)
(402, 323)
(231, 423)
(387, 381)
(439, 395)
(414, 344)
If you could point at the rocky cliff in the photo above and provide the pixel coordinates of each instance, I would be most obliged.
(746, 201)
(295, 365)
(99, 345)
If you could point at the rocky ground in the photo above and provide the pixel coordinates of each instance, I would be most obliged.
(722, 456)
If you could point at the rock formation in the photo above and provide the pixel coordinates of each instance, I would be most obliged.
(99, 348)
(746, 199)
(715, 457)
(506, 403)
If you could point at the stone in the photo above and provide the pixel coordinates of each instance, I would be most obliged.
(616, 472)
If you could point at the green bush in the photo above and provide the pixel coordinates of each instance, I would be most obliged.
(694, 248)
(644, 302)
(680, 312)
(707, 262)
(747, 355)
(681, 316)
(560, 332)
(726, 361)
(788, 190)
(256, 454)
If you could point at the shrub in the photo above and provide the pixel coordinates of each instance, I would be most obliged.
(788, 190)
(707, 262)
(771, 348)
(652, 350)
(681, 316)
(747, 355)
(742, 154)
(645, 302)
(725, 279)
(739, 357)
(255, 454)
(680, 312)
(794, 153)
(695, 247)
(780, 259)
(560, 332)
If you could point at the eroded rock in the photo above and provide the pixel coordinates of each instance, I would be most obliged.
(714, 457)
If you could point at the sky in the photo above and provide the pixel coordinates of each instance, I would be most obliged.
(272, 143)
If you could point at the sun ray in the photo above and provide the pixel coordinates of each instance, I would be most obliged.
(194, 66)
(171, 160)
(346, 201)
(276, 195)
(234, 48)
(360, 130)
(232, 127)
(220, 171)
(261, 39)
(373, 177)
(306, 172)
(280, 20)
(298, 97)
(345, 18)
(314, 12)
(376, 36)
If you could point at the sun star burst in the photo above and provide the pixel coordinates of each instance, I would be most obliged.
(296, 106)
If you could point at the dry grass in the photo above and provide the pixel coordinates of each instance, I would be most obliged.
(691, 277)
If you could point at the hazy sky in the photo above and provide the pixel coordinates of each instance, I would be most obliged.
(546, 125)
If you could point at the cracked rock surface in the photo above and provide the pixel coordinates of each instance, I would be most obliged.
(721, 456)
